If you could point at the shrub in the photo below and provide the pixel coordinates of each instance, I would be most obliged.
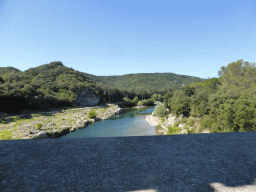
(3, 122)
(30, 132)
(200, 129)
(173, 130)
(159, 111)
(148, 102)
(135, 100)
(16, 118)
(39, 125)
(157, 97)
(191, 122)
(176, 124)
(103, 110)
(162, 119)
(206, 122)
(128, 103)
(92, 114)
(183, 120)
(192, 131)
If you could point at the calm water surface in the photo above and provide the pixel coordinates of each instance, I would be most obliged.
(130, 123)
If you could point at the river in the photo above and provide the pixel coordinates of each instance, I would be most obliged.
(130, 123)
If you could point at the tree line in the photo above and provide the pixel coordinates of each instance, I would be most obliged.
(54, 86)
(224, 104)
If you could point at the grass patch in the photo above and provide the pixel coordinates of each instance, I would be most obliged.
(17, 124)
(29, 120)
(7, 134)
(16, 118)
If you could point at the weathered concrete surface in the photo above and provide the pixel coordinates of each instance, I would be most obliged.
(193, 162)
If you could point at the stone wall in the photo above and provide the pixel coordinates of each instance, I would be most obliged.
(86, 98)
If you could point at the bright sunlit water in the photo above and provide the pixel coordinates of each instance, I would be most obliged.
(129, 123)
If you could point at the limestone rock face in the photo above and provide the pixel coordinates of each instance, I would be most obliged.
(85, 97)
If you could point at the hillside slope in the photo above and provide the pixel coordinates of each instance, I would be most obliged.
(53, 86)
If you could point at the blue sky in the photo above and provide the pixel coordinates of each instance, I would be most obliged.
(117, 37)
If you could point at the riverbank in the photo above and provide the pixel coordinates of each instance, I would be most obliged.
(54, 123)
(191, 123)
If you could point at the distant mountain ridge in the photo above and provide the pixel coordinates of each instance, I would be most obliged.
(56, 85)
(146, 81)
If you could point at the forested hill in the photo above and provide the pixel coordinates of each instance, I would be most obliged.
(224, 104)
(152, 82)
(54, 85)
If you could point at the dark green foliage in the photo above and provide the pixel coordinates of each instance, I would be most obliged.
(1, 80)
(189, 91)
(148, 102)
(157, 97)
(135, 100)
(150, 83)
(245, 113)
(225, 104)
(180, 104)
(128, 103)
(206, 122)
(167, 99)
(55, 86)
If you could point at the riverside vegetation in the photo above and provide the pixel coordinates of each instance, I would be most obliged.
(224, 104)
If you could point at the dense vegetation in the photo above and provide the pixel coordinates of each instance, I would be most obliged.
(146, 84)
(224, 104)
(54, 86)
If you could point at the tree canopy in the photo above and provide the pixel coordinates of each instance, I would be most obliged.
(227, 103)
(53, 85)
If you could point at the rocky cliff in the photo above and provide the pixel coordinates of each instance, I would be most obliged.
(86, 98)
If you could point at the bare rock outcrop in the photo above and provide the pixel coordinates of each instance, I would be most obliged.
(86, 97)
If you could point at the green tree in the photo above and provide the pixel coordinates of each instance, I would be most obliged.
(135, 100)
(189, 91)
(155, 97)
